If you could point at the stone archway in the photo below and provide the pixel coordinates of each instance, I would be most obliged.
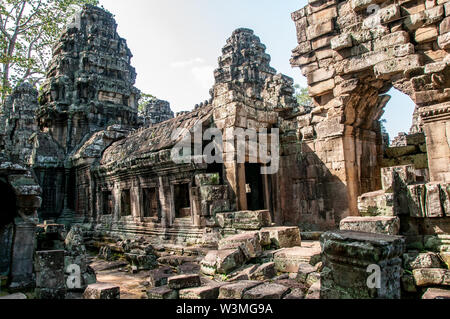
(352, 53)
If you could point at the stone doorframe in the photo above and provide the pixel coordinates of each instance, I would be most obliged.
(352, 53)
(28, 200)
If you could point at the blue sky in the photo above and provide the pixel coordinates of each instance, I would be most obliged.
(176, 44)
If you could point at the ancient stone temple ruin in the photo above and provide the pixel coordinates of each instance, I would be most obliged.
(92, 186)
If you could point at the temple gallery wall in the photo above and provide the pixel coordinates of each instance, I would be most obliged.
(82, 171)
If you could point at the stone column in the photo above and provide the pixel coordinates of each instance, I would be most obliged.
(436, 120)
(361, 265)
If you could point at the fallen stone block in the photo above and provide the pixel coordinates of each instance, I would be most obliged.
(243, 274)
(163, 292)
(413, 261)
(352, 259)
(435, 293)
(184, 281)
(284, 237)
(264, 271)
(267, 291)
(377, 225)
(431, 277)
(377, 203)
(208, 265)
(237, 290)
(288, 260)
(229, 260)
(102, 291)
(207, 292)
(251, 220)
(248, 243)
(159, 277)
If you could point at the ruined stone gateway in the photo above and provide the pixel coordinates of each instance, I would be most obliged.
(91, 189)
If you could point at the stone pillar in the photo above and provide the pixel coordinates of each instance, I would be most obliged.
(22, 257)
(361, 265)
(49, 267)
(437, 131)
(165, 193)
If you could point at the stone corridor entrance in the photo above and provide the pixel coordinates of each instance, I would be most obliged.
(7, 215)
(254, 187)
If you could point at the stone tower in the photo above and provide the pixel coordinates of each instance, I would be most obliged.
(20, 123)
(89, 82)
(244, 59)
(156, 111)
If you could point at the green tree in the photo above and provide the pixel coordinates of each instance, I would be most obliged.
(302, 96)
(144, 100)
(29, 29)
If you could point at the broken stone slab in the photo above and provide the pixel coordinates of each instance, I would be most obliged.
(378, 225)
(163, 292)
(222, 261)
(350, 257)
(267, 291)
(184, 281)
(205, 293)
(102, 291)
(248, 243)
(237, 290)
(288, 260)
(436, 293)
(413, 261)
(283, 237)
(431, 277)
(377, 203)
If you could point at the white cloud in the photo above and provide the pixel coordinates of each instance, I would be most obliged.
(204, 75)
(183, 64)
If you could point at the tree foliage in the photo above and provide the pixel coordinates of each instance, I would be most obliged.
(29, 29)
(144, 100)
(302, 96)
